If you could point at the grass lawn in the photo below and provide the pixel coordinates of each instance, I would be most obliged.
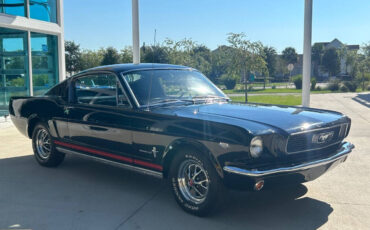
(273, 99)
(279, 90)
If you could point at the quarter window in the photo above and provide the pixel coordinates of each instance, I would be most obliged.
(100, 89)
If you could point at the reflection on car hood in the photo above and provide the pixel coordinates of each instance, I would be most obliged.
(289, 119)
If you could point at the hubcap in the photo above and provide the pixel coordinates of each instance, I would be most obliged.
(43, 143)
(193, 181)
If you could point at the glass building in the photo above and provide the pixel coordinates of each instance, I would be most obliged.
(31, 47)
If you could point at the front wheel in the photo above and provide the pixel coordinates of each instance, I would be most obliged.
(43, 147)
(195, 183)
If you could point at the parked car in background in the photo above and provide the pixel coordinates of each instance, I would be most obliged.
(171, 122)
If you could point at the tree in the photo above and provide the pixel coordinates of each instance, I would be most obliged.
(364, 65)
(352, 63)
(110, 56)
(316, 57)
(290, 56)
(189, 53)
(73, 57)
(247, 58)
(180, 52)
(202, 59)
(366, 50)
(154, 54)
(90, 59)
(331, 62)
(126, 55)
(221, 61)
(270, 59)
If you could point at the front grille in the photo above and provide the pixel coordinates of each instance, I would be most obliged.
(306, 141)
(291, 159)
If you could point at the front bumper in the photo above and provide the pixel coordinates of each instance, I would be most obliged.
(301, 172)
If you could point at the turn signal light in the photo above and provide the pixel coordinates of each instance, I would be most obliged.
(259, 185)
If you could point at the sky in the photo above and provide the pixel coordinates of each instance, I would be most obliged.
(278, 23)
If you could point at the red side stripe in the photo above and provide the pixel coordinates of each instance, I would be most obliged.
(148, 164)
(105, 154)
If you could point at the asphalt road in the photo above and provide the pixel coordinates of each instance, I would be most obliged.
(83, 194)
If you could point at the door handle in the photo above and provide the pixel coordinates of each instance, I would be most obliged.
(98, 128)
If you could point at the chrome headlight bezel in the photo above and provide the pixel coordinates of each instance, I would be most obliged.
(256, 147)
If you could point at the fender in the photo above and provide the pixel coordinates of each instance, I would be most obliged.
(31, 122)
(170, 150)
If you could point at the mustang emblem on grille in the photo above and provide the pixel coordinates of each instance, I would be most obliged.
(322, 138)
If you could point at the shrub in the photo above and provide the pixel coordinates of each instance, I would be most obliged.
(297, 81)
(344, 88)
(250, 88)
(351, 85)
(368, 87)
(333, 86)
(229, 80)
(313, 83)
(273, 87)
(318, 88)
(17, 82)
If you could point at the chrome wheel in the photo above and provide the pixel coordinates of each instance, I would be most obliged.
(193, 181)
(42, 142)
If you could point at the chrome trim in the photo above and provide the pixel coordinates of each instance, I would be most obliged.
(114, 163)
(308, 131)
(130, 90)
(124, 92)
(312, 130)
(159, 68)
(314, 149)
(342, 153)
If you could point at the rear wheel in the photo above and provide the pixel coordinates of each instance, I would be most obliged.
(44, 148)
(195, 183)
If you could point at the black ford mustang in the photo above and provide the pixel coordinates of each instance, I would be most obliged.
(172, 122)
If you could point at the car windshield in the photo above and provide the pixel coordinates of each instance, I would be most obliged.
(152, 87)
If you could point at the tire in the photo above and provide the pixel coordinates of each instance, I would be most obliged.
(44, 148)
(189, 192)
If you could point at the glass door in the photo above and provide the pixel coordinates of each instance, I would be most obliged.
(14, 73)
(44, 62)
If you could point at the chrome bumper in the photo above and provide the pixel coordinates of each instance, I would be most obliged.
(341, 153)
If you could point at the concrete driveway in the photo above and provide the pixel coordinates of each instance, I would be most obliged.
(83, 194)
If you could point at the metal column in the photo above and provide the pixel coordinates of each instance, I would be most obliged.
(307, 53)
(135, 32)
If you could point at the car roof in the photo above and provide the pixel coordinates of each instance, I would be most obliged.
(119, 68)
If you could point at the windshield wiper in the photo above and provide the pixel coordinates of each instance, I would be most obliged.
(168, 100)
(209, 97)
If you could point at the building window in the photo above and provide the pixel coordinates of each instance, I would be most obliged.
(45, 10)
(14, 71)
(13, 7)
(44, 62)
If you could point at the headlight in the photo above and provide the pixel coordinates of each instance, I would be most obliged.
(256, 147)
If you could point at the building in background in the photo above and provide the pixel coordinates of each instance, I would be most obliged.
(31, 47)
(345, 68)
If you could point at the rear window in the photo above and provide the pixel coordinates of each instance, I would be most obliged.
(60, 90)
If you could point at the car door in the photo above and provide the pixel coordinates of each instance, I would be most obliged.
(99, 116)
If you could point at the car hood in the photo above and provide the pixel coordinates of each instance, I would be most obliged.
(288, 119)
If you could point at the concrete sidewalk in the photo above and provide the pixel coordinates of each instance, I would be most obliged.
(83, 194)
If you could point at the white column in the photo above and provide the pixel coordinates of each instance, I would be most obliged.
(61, 50)
(307, 53)
(135, 32)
